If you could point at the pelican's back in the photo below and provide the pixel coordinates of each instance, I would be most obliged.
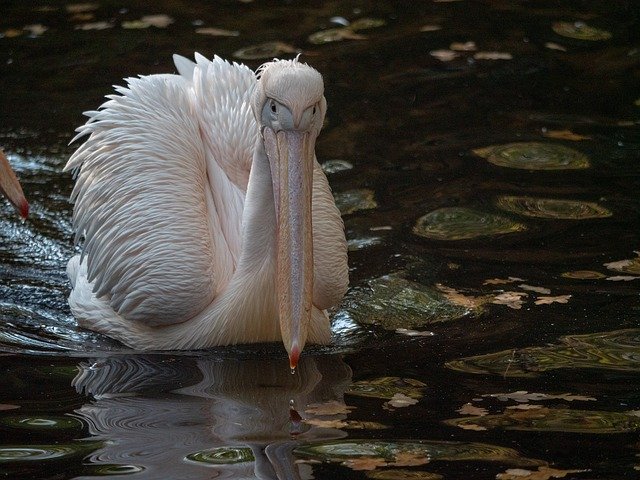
(151, 177)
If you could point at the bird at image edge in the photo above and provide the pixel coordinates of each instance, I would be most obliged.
(10, 187)
(205, 217)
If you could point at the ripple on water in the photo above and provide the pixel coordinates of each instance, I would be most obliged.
(222, 455)
(551, 208)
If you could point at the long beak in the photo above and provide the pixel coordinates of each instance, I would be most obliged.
(10, 187)
(291, 155)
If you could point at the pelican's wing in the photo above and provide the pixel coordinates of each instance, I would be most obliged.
(331, 271)
(144, 196)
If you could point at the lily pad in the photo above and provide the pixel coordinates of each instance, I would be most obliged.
(458, 223)
(389, 452)
(616, 350)
(551, 208)
(393, 302)
(387, 387)
(222, 455)
(553, 420)
(534, 156)
(266, 50)
(580, 31)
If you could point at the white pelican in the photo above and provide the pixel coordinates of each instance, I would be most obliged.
(10, 187)
(206, 217)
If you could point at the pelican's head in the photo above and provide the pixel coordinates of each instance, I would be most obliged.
(289, 106)
(10, 187)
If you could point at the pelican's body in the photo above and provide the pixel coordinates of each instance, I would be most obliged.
(191, 238)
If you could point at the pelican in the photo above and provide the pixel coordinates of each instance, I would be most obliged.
(205, 215)
(10, 187)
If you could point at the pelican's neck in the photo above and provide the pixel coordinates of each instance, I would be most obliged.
(259, 215)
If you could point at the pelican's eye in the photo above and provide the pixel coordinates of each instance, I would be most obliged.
(274, 109)
(313, 112)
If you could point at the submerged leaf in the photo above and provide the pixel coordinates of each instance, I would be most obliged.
(631, 266)
(550, 300)
(352, 201)
(543, 473)
(470, 409)
(580, 31)
(554, 420)
(565, 135)
(534, 156)
(616, 350)
(493, 56)
(523, 396)
(332, 407)
(458, 223)
(401, 474)
(551, 208)
(387, 388)
(584, 275)
(266, 50)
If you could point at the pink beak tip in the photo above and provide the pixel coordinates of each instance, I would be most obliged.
(23, 208)
(294, 357)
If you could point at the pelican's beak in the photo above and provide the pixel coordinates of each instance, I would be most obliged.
(291, 156)
(10, 187)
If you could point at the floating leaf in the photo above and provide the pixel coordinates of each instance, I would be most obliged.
(470, 409)
(554, 420)
(555, 46)
(264, 50)
(158, 21)
(616, 350)
(390, 452)
(217, 32)
(543, 473)
(622, 278)
(400, 400)
(36, 29)
(135, 25)
(332, 407)
(352, 201)
(444, 55)
(531, 288)
(550, 300)
(387, 388)
(334, 35)
(401, 474)
(631, 266)
(463, 47)
(580, 31)
(94, 26)
(551, 208)
(502, 281)
(458, 298)
(222, 456)
(513, 300)
(459, 223)
(12, 33)
(364, 463)
(366, 24)
(534, 156)
(564, 135)
(81, 7)
(430, 28)
(583, 275)
(493, 56)
(523, 396)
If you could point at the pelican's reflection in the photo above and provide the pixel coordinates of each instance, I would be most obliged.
(167, 414)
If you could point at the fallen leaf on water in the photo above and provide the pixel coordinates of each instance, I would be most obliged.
(217, 32)
(409, 459)
(513, 300)
(11, 33)
(317, 422)
(502, 281)
(81, 7)
(543, 473)
(332, 407)
(583, 275)
(525, 406)
(364, 463)
(621, 278)
(631, 266)
(524, 396)
(158, 21)
(444, 55)
(550, 300)
(466, 301)
(463, 47)
(400, 400)
(532, 288)
(470, 409)
(135, 25)
(414, 333)
(94, 26)
(430, 28)
(565, 135)
(472, 426)
(493, 56)
(8, 406)
(36, 29)
(555, 46)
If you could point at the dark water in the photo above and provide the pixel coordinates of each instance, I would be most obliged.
(551, 388)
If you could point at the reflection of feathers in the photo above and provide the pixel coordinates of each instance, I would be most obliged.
(154, 411)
